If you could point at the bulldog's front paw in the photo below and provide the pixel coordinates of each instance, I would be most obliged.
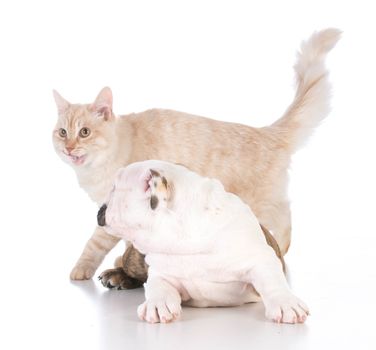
(163, 311)
(82, 272)
(286, 308)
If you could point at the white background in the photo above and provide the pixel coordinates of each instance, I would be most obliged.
(230, 60)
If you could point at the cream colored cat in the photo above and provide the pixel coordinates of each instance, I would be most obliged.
(250, 162)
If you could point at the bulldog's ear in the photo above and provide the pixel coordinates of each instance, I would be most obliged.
(101, 216)
(154, 173)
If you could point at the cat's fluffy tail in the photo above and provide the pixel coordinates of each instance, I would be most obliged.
(311, 102)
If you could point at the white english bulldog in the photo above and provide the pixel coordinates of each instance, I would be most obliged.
(204, 246)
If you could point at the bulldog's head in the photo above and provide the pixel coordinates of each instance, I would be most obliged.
(139, 192)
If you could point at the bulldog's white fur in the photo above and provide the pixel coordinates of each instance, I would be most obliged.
(203, 245)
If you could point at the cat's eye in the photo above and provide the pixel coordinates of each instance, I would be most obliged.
(84, 132)
(62, 132)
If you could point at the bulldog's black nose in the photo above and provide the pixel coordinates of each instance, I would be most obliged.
(101, 216)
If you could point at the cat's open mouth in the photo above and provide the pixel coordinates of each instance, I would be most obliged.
(77, 160)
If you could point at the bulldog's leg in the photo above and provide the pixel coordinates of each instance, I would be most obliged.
(130, 271)
(280, 304)
(163, 301)
(118, 279)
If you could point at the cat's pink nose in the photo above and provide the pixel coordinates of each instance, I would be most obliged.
(69, 149)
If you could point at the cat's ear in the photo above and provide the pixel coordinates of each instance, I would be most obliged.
(102, 105)
(61, 103)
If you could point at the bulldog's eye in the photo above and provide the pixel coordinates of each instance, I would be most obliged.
(84, 132)
(62, 132)
(154, 202)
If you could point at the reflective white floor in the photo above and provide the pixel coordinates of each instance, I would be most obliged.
(41, 308)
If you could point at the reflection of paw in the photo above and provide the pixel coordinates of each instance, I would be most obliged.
(286, 308)
(117, 278)
(163, 311)
(82, 272)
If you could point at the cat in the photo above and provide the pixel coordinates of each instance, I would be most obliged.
(204, 246)
(250, 162)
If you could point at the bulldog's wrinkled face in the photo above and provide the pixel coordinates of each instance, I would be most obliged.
(137, 196)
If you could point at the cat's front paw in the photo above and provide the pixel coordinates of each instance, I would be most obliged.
(163, 311)
(286, 308)
(82, 272)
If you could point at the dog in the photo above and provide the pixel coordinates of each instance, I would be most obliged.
(203, 245)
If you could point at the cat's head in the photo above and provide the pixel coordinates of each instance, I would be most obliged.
(85, 134)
